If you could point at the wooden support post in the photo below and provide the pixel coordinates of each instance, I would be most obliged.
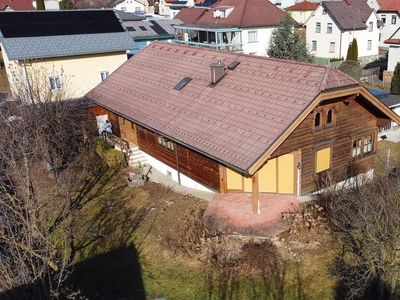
(255, 194)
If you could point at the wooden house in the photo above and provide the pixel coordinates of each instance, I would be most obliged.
(231, 122)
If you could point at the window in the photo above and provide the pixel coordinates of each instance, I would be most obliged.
(252, 35)
(324, 11)
(332, 47)
(317, 121)
(362, 145)
(330, 118)
(165, 143)
(323, 160)
(55, 83)
(123, 8)
(318, 27)
(370, 26)
(393, 20)
(367, 144)
(383, 18)
(329, 28)
(104, 75)
(314, 46)
(369, 45)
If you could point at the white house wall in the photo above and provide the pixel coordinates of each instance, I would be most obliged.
(260, 47)
(388, 28)
(301, 16)
(173, 174)
(341, 39)
(131, 6)
(394, 57)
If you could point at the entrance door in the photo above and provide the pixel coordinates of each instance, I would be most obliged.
(128, 130)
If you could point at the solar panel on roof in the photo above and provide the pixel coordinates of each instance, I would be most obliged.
(182, 83)
(51, 23)
(130, 28)
(157, 28)
(143, 28)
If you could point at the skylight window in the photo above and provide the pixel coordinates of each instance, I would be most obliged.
(182, 83)
(130, 28)
(143, 28)
(233, 65)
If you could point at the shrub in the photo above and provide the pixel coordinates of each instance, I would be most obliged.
(114, 158)
(101, 147)
(351, 68)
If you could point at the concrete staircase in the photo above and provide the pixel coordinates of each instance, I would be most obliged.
(136, 156)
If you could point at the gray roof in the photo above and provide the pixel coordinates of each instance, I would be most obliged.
(66, 45)
(390, 100)
(351, 16)
(153, 28)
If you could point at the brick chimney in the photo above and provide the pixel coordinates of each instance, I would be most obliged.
(217, 72)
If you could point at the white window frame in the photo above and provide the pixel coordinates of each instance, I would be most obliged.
(252, 36)
(329, 28)
(332, 47)
(55, 83)
(383, 19)
(393, 20)
(371, 26)
(318, 27)
(104, 74)
(314, 46)
(369, 45)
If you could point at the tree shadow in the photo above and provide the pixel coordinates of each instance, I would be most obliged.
(111, 275)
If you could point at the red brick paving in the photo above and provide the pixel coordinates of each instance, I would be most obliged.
(234, 213)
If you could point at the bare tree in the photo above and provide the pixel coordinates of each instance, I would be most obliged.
(365, 218)
(48, 178)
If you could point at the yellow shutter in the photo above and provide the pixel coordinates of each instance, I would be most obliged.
(234, 180)
(323, 160)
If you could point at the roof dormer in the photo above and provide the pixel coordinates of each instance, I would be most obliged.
(222, 12)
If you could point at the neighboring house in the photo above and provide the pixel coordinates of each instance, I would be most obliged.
(242, 26)
(78, 47)
(49, 4)
(284, 4)
(124, 16)
(301, 11)
(145, 32)
(15, 5)
(393, 44)
(131, 6)
(389, 14)
(169, 8)
(229, 122)
(334, 24)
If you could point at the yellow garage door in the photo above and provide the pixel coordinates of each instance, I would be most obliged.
(286, 174)
(267, 177)
(234, 180)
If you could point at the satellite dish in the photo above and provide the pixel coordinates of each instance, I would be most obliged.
(217, 14)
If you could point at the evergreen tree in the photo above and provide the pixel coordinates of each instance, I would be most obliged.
(286, 44)
(40, 5)
(67, 5)
(355, 50)
(395, 85)
(352, 51)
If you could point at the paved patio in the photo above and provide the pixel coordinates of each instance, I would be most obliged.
(233, 213)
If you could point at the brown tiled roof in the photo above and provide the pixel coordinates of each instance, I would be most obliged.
(351, 16)
(389, 5)
(189, 15)
(246, 13)
(392, 41)
(236, 121)
(303, 6)
(17, 4)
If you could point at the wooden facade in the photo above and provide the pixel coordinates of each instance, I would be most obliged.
(312, 150)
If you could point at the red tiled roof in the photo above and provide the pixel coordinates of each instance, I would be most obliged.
(17, 4)
(303, 6)
(189, 15)
(351, 16)
(392, 41)
(389, 5)
(234, 122)
(246, 13)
